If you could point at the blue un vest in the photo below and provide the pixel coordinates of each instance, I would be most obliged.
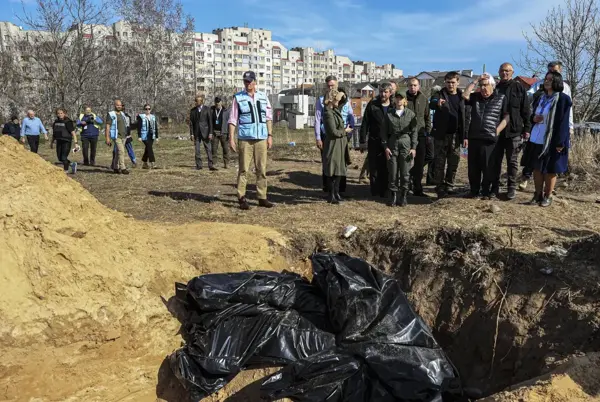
(345, 112)
(113, 126)
(252, 117)
(145, 127)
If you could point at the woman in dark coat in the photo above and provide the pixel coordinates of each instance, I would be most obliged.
(335, 145)
(547, 153)
(63, 132)
(13, 128)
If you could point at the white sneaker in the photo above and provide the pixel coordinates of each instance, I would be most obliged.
(523, 185)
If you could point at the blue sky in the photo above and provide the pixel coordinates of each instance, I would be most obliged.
(415, 35)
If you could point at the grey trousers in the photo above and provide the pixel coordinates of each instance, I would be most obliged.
(207, 147)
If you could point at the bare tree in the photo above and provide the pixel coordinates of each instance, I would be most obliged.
(62, 47)
(16, 92)
(162, 39)
(571, 34)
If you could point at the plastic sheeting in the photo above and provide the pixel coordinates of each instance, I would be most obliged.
(350, 335)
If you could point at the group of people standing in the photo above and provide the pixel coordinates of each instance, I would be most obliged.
(397, 131)
(118, 125)
(488, 120)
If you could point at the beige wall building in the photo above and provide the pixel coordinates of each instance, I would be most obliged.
(215, 61)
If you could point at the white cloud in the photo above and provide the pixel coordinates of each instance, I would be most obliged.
(488, 29)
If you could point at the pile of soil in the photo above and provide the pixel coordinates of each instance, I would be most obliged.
(84, 289)
(575, 381)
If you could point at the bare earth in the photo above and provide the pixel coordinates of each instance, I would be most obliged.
(84, 289)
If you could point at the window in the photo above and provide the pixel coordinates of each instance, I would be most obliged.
(124, 34)
(268, 60)
(229, 47)
(229, 65)
(208, 47)
(230, 56)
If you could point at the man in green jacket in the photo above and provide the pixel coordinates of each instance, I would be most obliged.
(399, 138)
(419, 104)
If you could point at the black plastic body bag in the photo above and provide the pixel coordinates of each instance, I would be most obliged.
(350, 335)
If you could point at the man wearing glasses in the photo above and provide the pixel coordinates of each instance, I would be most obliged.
(450, 123)
(512, 137)
(252, 114)
(489, 117)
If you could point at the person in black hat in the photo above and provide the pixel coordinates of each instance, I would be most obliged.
(218, 115)
(252, 114)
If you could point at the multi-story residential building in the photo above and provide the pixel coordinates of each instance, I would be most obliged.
(214, 62)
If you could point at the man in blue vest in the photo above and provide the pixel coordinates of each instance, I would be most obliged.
(252, 114)
(331, 82)
(116, 132)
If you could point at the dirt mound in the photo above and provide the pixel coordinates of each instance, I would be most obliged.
(576, 381)
(81, 285)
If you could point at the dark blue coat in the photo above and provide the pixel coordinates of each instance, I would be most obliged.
(558, 162)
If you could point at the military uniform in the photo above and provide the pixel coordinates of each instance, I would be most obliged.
(399, 134)
(450, 124)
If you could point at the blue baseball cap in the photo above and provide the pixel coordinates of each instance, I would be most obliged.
(249, 76)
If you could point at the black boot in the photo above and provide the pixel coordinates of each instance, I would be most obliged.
(330, 185)
(336, 188)
(402, 201)
(393, 199)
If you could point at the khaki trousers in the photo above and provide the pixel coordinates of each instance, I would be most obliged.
(118, 161)
(249, 150)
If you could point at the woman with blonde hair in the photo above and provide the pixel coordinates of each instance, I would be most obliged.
(335, 144)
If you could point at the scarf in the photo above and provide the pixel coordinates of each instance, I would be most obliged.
(550, 124)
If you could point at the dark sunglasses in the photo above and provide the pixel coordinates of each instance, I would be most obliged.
(146, 108)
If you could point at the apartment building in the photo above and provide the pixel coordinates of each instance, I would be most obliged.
(214, 62)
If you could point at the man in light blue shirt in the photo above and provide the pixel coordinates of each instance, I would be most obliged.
(31, 128)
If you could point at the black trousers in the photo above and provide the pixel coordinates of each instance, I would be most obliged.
(378, 168)
(148, 151)
(89, 150)
(62, 152)
(199, 142)
(510, 147)
(481, 166)
(423, 158)
(34, 143)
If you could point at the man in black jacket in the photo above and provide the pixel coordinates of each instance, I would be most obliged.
(201, 132)
(512, 137)
(418, 103)
(217, 113)
(489, 117)
(450, 125)
(372, 122)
